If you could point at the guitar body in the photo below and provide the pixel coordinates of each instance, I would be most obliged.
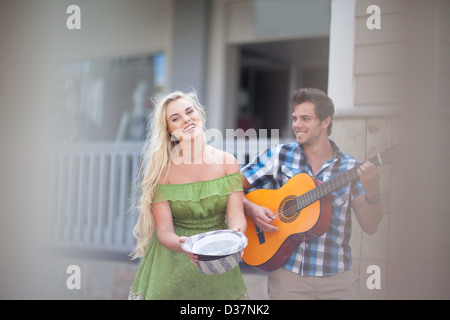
(269, 250)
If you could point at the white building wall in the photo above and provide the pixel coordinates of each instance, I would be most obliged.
(111, 28)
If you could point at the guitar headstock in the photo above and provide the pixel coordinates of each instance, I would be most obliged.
(390, 155)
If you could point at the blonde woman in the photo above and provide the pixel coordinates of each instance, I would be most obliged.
(188, 187)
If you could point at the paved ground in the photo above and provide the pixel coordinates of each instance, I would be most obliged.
(256, 282)
(111, 279)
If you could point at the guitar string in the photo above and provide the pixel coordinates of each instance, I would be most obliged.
(319, 192)
(315, 195)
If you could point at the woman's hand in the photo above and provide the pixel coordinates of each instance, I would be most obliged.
(237, 229)
(193, 257)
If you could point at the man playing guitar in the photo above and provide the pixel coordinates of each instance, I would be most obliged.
(318, 268)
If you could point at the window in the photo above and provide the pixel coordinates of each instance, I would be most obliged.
(106, 99)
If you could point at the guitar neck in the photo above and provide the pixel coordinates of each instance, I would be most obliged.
(331, 185)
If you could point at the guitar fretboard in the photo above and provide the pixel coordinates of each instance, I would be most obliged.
(331, 185)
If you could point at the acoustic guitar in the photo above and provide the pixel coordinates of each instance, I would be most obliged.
(302, 207)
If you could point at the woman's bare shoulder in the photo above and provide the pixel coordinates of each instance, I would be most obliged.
(227, 160)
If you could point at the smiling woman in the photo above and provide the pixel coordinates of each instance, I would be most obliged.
(183, 198)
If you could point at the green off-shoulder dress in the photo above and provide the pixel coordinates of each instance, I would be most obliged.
(164, 274)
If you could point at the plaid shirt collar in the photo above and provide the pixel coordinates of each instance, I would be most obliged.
(304, 162)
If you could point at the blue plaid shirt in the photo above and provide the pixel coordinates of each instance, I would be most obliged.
(329, 254)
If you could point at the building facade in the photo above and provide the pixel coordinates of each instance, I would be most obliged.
(380, 61)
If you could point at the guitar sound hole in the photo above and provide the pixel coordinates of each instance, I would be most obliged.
(288, 210)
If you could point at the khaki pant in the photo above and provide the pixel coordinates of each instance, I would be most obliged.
(286, 285)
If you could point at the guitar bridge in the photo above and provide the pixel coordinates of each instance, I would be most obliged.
(260, 234)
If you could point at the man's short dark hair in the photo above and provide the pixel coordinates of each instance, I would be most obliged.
(324, 105)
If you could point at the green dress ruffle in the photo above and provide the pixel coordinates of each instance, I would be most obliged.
(164, 274)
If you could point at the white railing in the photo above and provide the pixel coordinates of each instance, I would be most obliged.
(92, 192)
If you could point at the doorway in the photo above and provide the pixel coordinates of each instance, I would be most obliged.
(268, 74)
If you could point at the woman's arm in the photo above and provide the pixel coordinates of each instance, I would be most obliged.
(164, 226)
(165, 231)
(235, 207)
(235, 212)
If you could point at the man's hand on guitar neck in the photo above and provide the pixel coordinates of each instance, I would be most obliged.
(260, 215)
(370, 179)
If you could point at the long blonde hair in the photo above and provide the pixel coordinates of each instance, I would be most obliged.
(156, 155)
